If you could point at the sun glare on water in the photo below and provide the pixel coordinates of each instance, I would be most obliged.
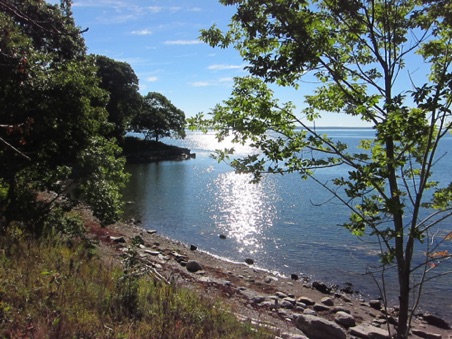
(242, 210)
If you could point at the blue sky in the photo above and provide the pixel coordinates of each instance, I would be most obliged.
(159, 39)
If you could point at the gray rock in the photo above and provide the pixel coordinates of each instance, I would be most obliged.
(309, 312)
(300, 304)
(286, 304)
(222, 236)
(376, 304)
(340, 309)
(435, 321)
(258, 299)
(319, 328)
(249, 261)
(370, 332)
(118, 239)
(151, 231)
(193, 266)
(306, 300)
(327, 301)
(281, 295)
(321, 287)
(291, 300)
(321, 307)
(426, 335)
(268, 279)
(344, 319)
(152, 252)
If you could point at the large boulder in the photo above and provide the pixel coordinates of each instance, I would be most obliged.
(319, 328)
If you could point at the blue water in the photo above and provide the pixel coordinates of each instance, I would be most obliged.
(285, 224)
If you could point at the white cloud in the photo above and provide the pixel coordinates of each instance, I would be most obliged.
(182, 42)
(222, 80)
(142, 32)
(152, 79)
(155, 9)
(200, 84)
(223, 67)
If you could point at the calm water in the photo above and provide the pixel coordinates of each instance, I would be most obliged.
(285, 224)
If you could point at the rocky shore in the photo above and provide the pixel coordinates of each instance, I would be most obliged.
(291, 307)
(144, 151)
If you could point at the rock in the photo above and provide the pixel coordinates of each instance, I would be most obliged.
(222, 236)
(340, 309)
(268, 279)
(117, 239)
(151, 231)
(321, 307)
(376, 304)
(321, 287)
(249, 261)
(344, 319)
(435, 321)
(319, 328)
(281, 295)
(306, 300)
(193, 248)
(309, 312)
(193, 266)
(370, 332)
(286, 304)
(327, 301)
(348, 290)
(427, 335)
(294, 276)
(258, 299)
(152, 252)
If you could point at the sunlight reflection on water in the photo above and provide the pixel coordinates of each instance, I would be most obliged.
(241, 210)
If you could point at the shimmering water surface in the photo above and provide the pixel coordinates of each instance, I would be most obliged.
(283, 223)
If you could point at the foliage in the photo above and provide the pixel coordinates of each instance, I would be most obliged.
(52, 116)
(358, 53)
(57, 288)
(121, 82)
(159, 118)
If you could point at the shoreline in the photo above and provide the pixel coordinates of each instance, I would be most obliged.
(253, 294)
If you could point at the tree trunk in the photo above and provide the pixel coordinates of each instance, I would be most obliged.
(404, 301)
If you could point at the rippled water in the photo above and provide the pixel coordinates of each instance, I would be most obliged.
(283, 223)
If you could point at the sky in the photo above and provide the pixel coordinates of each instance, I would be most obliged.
(159, 39)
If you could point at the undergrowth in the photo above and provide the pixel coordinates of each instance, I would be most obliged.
(56, 287)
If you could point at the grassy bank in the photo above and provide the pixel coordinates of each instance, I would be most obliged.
(60, 288)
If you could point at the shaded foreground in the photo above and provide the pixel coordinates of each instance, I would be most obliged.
(67, 288)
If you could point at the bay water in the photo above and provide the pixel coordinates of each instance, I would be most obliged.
(285, 224)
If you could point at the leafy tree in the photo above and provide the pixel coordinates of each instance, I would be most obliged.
(119, 79)
(159, 118)
(359, 52)
(52, 118)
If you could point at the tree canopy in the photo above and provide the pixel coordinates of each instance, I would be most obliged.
(159, 118)
(365, 58)
(120, 81)
(53, 120)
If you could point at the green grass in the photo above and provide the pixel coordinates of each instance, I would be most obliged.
(59, 288)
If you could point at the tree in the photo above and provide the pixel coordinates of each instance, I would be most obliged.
(52, 119)
(359, 52)
(159, 118)
(121, 82)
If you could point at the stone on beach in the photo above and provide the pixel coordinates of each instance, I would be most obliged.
(193, 266)
(319, 328)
